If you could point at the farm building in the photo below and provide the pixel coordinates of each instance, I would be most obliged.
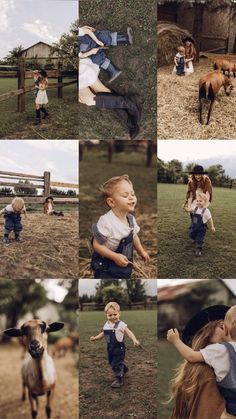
(218, 23)
(39, 50)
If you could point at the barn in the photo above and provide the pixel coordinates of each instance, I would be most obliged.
(40, 50)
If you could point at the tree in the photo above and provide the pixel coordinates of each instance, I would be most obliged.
(114, 293)
(13, 55)
(136, 290)
(6, 192)
(67, 47)
(20, 190)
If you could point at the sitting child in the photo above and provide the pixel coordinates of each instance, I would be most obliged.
(48, 207)
(116, 232)
(220, 355)
(114, 331)
(200, 216)
(94, 42)
(12, 214)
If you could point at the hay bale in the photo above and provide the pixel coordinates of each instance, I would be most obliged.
(169, 38)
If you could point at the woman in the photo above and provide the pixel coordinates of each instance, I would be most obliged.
(194, 387)
(190, 54)
(41, 98)
(92, 92)
(198, 181)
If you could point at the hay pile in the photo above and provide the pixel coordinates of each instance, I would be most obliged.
(169, 38)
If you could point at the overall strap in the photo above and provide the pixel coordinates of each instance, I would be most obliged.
(130, 219)
(231, 352)
(204, 209)
(195, 210)
(116, 324)
(96, 233)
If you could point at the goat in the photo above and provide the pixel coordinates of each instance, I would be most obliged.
(38, 371)
(225, 64)
(209, 86)
(63, 345)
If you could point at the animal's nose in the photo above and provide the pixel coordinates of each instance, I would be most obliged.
(34, 344)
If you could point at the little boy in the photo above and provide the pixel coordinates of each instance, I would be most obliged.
(12, 214)
(200, 216)
(93, 42)
(220, 356)
(116, 232)
(179, 61)
(113, 331)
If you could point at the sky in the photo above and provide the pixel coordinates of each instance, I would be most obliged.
(26, 22)
(88, 286)
(60, 157)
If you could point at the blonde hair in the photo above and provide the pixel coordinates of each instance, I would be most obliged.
(107, 187)
(230, 321)
(113, 305)
(202, 196)
(18, 204)
(187, 374)
(181, 49)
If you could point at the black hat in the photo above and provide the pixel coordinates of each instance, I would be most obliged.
(49, 197)
(198, 170)
(198, 321)
(188, 38)
(43, 73)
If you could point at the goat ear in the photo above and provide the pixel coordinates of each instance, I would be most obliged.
(54, 327)
(13, 332)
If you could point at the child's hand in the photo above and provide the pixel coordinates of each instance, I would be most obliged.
(92, 338)
(172, 335)
(100, 43)
(213, 229)
(136, 342)
(94, 51)
(145, 256)
(121, 260)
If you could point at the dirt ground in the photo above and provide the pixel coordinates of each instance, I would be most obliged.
(177, 112)
(48, 249)
(65, 402)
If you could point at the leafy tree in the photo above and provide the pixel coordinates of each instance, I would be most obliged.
(13, 55)
(114, 293)
(67, 47)
(136, 290)
(20, 190)
(6, 192)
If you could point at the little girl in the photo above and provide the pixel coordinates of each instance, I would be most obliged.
(114, 331)
(12, 214)
(116, 232)
(48, 207)
(41, 98)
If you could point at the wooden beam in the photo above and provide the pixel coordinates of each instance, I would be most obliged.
(39, 200)
(65, 185)
(21, 185)
(19, 178)
(16, 174)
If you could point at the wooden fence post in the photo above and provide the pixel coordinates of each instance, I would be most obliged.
(46, 191)
(59, 80)
(21, 84)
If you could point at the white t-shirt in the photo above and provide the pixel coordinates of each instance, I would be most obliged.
(119, 330)
(110, 226)
(88, 72)
(9, 209)
(81, 32)
(216, 355)
(207, 213)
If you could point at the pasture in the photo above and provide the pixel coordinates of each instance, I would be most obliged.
(94, 170)
(138, 397)
(62, 123)
(65, 402)
(176, 252)
(178, 107)
(137, 62)
(49, 247)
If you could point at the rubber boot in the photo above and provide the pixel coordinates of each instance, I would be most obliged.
(38, 117)
(17, 237)
(125, 39)
(45, 112)
(5, 238)
(125, 117)
(113, 71)
(118, 382)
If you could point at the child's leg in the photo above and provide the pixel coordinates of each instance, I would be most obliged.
(38, 116)
(200, 238)
(115, 38)
(117, 363)
(87, 97)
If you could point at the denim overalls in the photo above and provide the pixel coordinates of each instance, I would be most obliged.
(227, 386)
(105, 268)
(86, 44)
(198, 228)
(12, 223)
(180, 66)
(115, 351)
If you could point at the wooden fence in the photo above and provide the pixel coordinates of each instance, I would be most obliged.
(17, 181)
(22, 74)
(145, 305)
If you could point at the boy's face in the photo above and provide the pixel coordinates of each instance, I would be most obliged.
(219, 333)
(200, 202)
(112, 315)
(123, 197)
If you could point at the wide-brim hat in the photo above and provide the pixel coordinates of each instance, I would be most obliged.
(49, 197)
(197, 322)
(198, 170)
(188, 38)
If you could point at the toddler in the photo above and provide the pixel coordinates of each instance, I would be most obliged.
(113, 331)
(179, 61)
(116, 232)
(12, 214)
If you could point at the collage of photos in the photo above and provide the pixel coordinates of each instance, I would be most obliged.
(117, 209)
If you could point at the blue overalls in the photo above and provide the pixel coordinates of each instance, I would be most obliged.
(180, 66)
(198, 228)
(12, 223)
(115, 352)
(105, 268)
(227, 386)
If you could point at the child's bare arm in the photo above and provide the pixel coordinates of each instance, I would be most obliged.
(90, 32)
(212, 225)
(97, 337)
(88, 53)
(138, 246)
(187, 353)
(132, 336)
(118, 258)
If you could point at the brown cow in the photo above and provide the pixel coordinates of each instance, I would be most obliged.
(63, 345)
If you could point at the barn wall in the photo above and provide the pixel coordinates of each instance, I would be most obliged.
(39, 50)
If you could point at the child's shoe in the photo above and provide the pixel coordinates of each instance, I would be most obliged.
(198, 252)
(5, 239)
(118, 382)
(126, 369)
(17, 238)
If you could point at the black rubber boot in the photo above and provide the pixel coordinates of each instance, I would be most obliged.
(38, 117)
(118, 382)
(125, 39)
(128, 121)
(45, 112)
(17, 237)
(113, 71)
(5, 238)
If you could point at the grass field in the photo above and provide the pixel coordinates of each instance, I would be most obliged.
(168, 360)
(176, 252)
(137, 62)
(62, 123)
(94, 170)
(138, 397)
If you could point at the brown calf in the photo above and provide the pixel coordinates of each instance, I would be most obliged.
(225, 64)
(63, 345)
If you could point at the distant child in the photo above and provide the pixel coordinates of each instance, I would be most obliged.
(200, 216)
(41, 99)
(48, 207)
(220, 355)
(94, 42)
(116, 233)
(114, 331)
(12, 214)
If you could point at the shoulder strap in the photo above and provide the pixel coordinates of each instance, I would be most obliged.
(204, 209)
(116, 324)
(130, 219)
(195, 210)
(96, 233)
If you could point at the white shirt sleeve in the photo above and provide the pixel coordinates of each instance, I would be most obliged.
(216, 355)
(136, 227)
(81, 32)
(206, 216)
(104, 226)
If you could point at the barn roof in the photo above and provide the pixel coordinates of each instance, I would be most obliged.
(40, 42)
(172, 292)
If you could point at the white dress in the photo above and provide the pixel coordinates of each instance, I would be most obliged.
(42, 97)
(88, 73)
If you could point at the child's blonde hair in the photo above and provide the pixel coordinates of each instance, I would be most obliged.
(181, 49)
(113, 305)
(18, 204)
(202, 196)
(108, 187)
(230, 321)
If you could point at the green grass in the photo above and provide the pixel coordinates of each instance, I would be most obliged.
(63, 121)
(176, 252)
(138, 396)
(137, 62)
